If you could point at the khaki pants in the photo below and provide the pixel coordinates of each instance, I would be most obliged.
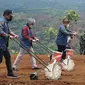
(21, 54)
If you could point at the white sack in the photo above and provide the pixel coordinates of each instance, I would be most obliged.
(68, 64)
(55, 73)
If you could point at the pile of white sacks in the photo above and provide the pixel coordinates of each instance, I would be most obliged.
(56, 68)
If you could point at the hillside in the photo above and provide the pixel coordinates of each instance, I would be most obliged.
(47, 13)
(31, 4)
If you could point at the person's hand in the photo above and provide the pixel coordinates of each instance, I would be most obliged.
(74, 33)
(30, 39)
(11, 37)
(6, 35)
(36, 39)
(16, 36)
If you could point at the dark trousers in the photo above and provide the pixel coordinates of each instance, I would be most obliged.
(82, 49)
(62, 48)
(7, 57)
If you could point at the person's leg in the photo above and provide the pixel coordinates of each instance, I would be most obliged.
(62, 49)
(33, 60)
(18, 58)
(81, 49)
(1, 55)
(59, 48)
(84, 50)
(64, 52)
(8, 62)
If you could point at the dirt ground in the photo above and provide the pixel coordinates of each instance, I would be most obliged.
(75, 77)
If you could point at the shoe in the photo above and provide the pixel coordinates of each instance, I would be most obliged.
(61, 60)
(35, 68)
(13, 76)
(15, 69)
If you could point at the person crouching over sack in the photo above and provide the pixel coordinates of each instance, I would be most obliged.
(26, 37)
(62, 38)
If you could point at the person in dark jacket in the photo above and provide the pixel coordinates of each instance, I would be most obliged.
(82, 44)
(62, 38)
(27, 38)
(5, 34)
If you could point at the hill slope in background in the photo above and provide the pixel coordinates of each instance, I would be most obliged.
(47, 13)
(30, 4)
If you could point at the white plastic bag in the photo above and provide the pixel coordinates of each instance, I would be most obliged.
(68, 64)
(55, 73)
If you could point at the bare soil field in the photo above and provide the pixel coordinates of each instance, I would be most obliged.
(75, 77)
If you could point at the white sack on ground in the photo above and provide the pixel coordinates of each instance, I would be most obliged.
(55, 73)
(68, 64)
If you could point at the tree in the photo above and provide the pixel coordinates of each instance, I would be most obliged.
(72, 15)
(51, 32)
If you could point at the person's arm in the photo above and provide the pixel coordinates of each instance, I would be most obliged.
(14, 35)
(25, 33)
(2, 33)
(66, 32)
(69, 30)
(35, 38)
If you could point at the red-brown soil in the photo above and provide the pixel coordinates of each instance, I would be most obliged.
(75, 77)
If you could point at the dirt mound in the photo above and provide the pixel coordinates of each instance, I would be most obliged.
(75, 77)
